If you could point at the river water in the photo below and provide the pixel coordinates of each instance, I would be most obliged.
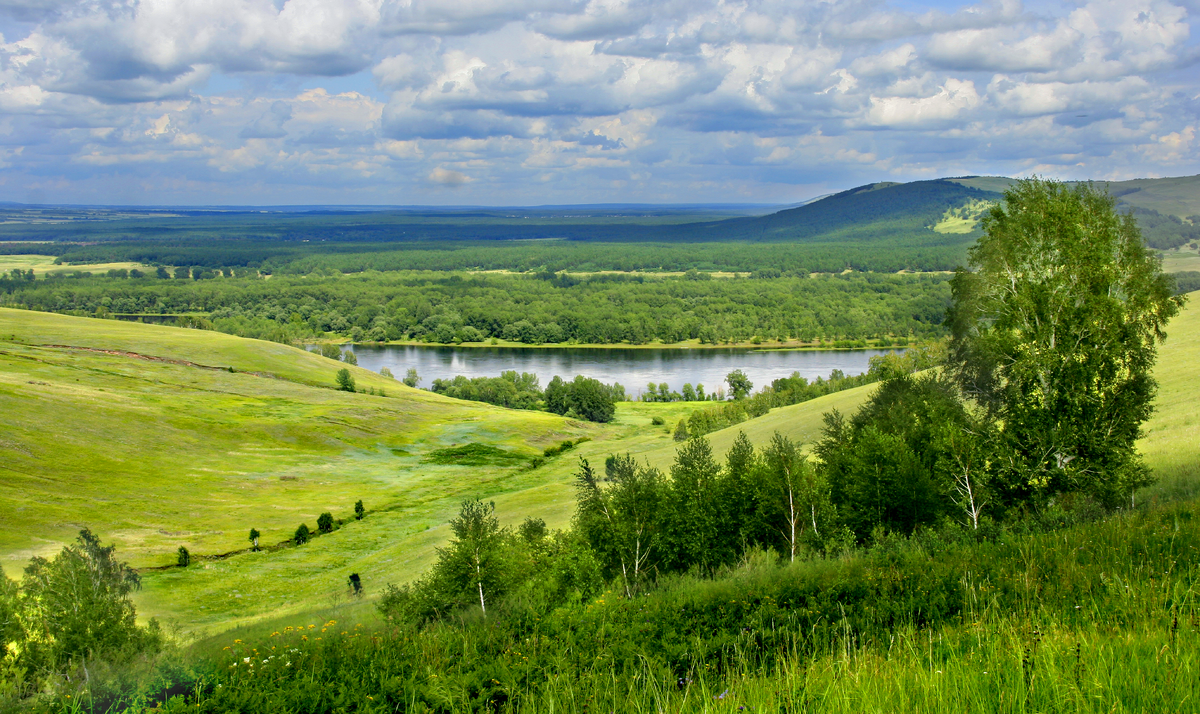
(633, 368)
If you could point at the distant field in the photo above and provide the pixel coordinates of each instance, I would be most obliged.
(1177, 261)
(43, 264)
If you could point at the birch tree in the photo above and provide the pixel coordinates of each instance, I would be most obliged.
(620, 521)
(1054, 328)
(474, 557)
(794, 497)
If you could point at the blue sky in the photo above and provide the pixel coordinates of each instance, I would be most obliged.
(518, 102)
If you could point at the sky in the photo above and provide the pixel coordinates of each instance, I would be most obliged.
(532, 102)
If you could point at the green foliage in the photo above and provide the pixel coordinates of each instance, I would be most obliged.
(657, 421)
(512, 390)
(473, 455)
(475, 567)
(694, 524)
(600, 308)
(359, 510)
(681, 431)
(583, 398)
(325, 522)
(1054, 333)
(78, 604)
(254, 536)
(1079, 619)
(345, 380)
(350, 358)
(184, 558)
(739, 384)
(331, 351)
(559, 448)
(792, 509)
(1186, 281)
(892, 465)
(411, 378)
(10, 624)
(302, 535)
(620, 522)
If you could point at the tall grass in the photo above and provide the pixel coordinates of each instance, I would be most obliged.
(1097, 616)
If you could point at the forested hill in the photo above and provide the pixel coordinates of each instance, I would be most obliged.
(877, 210)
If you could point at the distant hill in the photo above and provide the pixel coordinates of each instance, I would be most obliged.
(875, 211)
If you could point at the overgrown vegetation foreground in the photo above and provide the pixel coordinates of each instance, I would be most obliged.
(1056, 612)
(968, 539)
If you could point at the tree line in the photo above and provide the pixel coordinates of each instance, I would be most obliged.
(530, 309)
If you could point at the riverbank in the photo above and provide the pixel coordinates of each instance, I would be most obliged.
(761, 346)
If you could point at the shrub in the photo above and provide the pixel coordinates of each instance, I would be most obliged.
(83, 604)
(359, 510)
(657, 421)
(345, 380)
(185, 558)
(325, 522)
(302, 534)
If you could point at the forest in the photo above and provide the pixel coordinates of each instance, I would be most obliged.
(530, 309)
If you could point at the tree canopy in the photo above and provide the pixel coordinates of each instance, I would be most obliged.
(1054, 329)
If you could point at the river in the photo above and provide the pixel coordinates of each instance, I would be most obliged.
(633, 368)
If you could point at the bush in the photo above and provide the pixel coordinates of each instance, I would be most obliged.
(302, 534)
(359, 510)
(83, 605)
(325, 522)
(657, 421)
(345, 380)
(184, 557)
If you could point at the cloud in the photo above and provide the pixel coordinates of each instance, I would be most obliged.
(448, 177)
(577, 100)
(270, 124)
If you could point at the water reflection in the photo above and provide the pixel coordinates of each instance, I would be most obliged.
(633, 368)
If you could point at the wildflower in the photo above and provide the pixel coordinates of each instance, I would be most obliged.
(265, 661)
(246, 660)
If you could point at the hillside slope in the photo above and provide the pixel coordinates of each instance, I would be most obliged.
(144, 434)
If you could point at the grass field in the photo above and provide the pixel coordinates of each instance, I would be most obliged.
(1180, 259)
(43, 264)
(154, 454)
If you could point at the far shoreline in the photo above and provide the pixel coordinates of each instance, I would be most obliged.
(690, 345)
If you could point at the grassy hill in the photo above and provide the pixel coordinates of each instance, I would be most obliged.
(157, 437)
